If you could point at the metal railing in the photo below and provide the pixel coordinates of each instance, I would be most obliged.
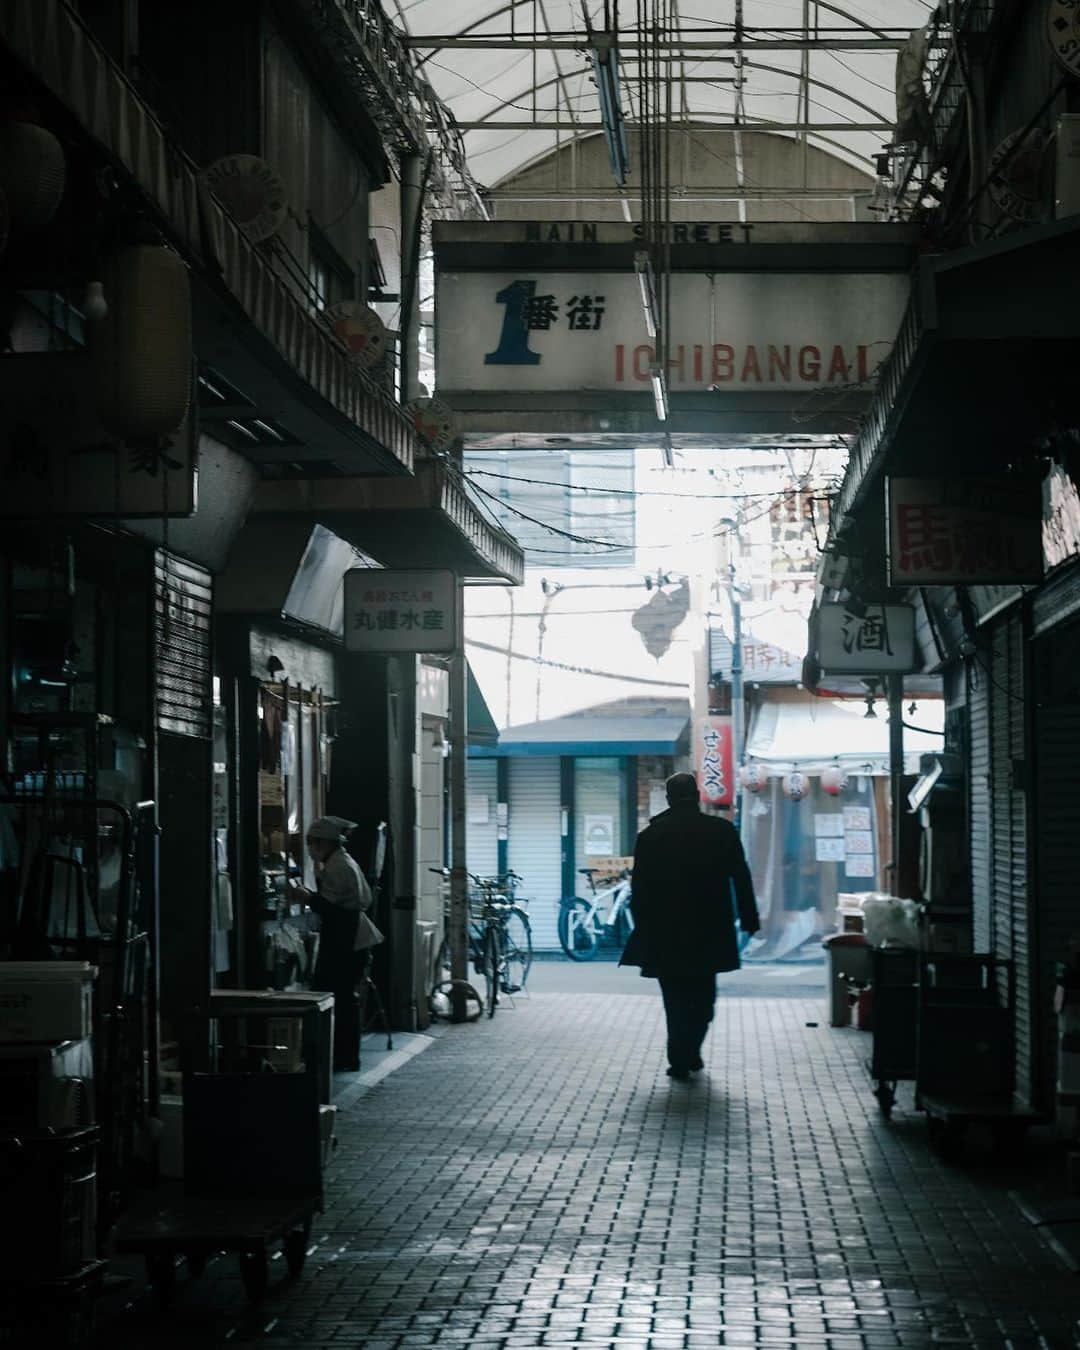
(371, 55)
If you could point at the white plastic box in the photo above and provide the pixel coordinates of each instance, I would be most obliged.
(46, 1000)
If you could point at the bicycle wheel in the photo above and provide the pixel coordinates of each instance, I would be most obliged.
(518, 951)
(577, 929)
(493, 967)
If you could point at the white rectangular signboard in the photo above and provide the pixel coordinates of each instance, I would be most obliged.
(403, 611)
(866, 639)
(738, 332)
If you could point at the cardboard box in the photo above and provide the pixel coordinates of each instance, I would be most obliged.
(46, 1000)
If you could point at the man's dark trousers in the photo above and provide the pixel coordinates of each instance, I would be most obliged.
(689, 999)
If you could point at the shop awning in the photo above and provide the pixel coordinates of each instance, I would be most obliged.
(812, 735)
(482, 729)
(649, 734)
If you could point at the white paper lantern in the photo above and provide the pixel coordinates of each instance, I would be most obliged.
(834, 780)
(796, 785)
(753, 777)
(142, 346)
(32, 173)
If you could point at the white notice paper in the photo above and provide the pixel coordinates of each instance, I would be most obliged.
(479, 808)
(860, 866)
(859, 841)
(829, 850)
(856, 818)
(828, 824)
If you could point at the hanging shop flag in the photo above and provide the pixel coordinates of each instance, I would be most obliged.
(405, 611)
(965, 531)
(714, 760)
(861, 639)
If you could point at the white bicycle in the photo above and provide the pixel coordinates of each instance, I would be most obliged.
(583, 923)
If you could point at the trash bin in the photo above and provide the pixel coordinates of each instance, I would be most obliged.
(848, 956)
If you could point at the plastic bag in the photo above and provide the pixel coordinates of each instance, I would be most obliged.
(891, 922)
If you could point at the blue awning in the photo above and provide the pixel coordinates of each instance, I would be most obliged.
(650, 734)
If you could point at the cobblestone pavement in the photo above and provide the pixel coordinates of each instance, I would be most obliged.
(538, 1181)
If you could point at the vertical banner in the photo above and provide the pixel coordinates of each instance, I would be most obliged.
(714, 760)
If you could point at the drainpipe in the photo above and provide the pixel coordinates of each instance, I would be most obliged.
(412, 218)
(895, 690)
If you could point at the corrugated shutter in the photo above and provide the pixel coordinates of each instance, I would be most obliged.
(1009, 927)
(482, 836)
(535, 842)
(1058, 823)
(979, 817)
(183, 618)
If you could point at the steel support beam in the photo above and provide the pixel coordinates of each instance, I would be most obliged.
(724, 192)
(508, 42)
(535, 124)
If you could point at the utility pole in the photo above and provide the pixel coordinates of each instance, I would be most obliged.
(737, 713)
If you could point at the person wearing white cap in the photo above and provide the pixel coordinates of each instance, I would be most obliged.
(346, 932)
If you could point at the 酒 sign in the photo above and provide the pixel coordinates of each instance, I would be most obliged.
(866, 639)
(404, 611)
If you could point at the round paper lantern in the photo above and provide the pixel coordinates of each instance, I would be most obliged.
(142, 346)
(796, 785)
(753, 777)
(32, 173)
(361, 330)
(834, 780)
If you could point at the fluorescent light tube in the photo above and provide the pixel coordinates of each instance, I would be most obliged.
(643, 268)
(659, 392)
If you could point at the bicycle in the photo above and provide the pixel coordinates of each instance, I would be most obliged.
(582, 923)
(499, 943)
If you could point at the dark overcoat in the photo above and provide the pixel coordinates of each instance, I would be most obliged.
(685, 867)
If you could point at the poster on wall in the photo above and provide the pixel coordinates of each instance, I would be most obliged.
(714, 760)
(599, 836)
(827, 848)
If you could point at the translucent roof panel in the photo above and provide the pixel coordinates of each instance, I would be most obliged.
(517, 74)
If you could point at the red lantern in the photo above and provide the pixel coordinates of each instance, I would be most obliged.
(796, 785)
(834, 780)
(753, 777)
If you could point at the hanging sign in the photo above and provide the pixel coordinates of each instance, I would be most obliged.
(251, 191)
(714, 760)
(359, 327)
(1063, 30)
(56, 459)
(737, 332)
(858, 639)
(965, 531)
(404, 611)
(433, 421)
(1018, 176)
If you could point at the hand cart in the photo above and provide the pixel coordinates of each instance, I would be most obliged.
(965, 1061)
(252, 1165)
(894, 979)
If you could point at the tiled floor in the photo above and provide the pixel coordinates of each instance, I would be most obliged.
(537, 1181)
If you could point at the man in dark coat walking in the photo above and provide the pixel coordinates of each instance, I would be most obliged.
(685, 865)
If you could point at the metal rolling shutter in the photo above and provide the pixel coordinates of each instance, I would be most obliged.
(535, 842)
(1058, 863)
(481, 838)
(183, 620)
(1009, 927)
(979, 814)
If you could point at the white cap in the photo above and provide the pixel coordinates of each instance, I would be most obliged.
(334, 828)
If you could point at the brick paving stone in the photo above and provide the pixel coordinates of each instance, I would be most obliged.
(537, 1181)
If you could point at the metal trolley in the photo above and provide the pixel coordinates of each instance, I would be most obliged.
(894, 978)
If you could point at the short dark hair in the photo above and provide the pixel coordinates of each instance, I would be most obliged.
(681, 787)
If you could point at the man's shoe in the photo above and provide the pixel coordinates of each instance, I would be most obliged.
(697, 1065)
(681, 1075)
